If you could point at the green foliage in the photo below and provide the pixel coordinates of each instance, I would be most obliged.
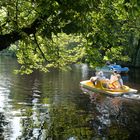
(59, 52)
(112, 29)
(116, 54)
(108, 26)
(39, 23)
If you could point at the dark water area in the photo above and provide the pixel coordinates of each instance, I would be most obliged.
(52, 106)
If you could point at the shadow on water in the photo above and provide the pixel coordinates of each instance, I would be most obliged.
(52, 106)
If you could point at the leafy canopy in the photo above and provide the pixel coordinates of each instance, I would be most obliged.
(35, 26)
(38, 28)
(59, 52)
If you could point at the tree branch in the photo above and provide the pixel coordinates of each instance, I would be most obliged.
(7, 39)
(39, 48)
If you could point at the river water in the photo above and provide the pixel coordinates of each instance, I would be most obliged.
(52, 106)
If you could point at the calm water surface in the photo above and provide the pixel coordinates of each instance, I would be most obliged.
(52, 106)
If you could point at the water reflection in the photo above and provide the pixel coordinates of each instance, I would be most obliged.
(107, 114)
(52, 106)
(113, 117)
(84, 70)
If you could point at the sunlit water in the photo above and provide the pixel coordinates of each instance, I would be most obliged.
(52, 106)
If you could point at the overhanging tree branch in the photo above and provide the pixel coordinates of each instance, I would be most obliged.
(43, 55)
(7, 39)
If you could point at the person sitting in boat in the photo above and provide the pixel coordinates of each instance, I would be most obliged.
(103, 79)
(99, 76)
(116, 80)
(93, 79)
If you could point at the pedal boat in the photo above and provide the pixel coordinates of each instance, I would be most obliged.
(101, 89)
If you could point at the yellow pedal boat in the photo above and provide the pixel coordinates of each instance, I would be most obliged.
(101, 89)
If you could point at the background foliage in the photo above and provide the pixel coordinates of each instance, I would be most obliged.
(97, 31)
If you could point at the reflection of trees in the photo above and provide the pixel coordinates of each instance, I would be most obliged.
(106, 119)
(3, 123)
(37, 118)
(112, 119)
(69, 123)
(49, 107)
(55, 122)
